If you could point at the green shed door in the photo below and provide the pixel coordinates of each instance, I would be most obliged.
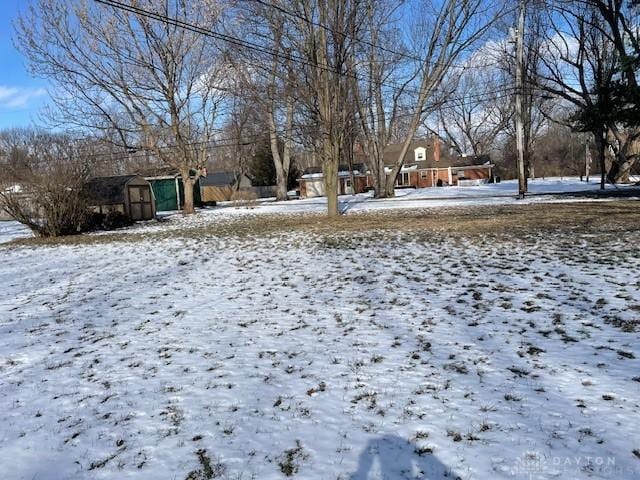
(165, 193)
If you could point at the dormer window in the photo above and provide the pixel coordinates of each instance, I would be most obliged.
(420, 154)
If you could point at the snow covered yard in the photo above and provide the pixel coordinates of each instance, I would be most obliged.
(11, 230)
(481, 343)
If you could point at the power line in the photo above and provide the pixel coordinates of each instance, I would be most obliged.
(244, 140)
(360, 40)
(247, 44)
(252, 46)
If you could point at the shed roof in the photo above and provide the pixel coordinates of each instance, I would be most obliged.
(108, 190)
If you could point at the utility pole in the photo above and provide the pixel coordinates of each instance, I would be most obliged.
(522, 178)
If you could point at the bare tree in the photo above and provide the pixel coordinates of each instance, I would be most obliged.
(268, 76)
(478, 111)
(42, 181)
(579, 65)
(619, 23)
(615, 23)
(441, 33)
(323, 34)
(134, 71)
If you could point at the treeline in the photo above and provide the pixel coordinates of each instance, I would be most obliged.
(188, 84)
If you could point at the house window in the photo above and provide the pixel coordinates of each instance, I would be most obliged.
(423, 174)
(402, 180)
(460, 173)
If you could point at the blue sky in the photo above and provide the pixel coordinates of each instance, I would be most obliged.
(21, 95)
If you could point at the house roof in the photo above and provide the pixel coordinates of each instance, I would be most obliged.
(108, 190)
(219, 179)
(392, 151)
(343, 170)
(447, 159)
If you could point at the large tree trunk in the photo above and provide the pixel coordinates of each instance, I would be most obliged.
(379, 187)
(281, 174)
(281, 162)
(620, 169)
(379, 179)
(390, 185)
(187, 184)
(375, 163)
(281, 183)
(625, 150)
(330, 166)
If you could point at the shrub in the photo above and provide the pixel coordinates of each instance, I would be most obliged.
(41, 182)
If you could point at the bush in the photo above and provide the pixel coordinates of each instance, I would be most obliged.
(41, 182)
(244, 198)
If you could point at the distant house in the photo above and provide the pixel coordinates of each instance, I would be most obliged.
(426, 166)
(460, 172)
(311, 183)
(128, 194)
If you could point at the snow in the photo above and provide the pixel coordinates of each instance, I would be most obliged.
(11, 230)
(318, 176)
(504, 193)
(321, 356)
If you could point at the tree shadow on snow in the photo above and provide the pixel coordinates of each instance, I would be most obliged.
(390, 457)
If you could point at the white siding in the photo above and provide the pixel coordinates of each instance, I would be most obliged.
(315, 188)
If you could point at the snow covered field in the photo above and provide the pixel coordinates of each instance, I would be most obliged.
(10, 230)
(504, 193)
(263, 350)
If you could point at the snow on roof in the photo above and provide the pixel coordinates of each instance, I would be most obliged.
(405, 168)
(317, 176)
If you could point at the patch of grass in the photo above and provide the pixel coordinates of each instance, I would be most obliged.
(510, 397)
(626, 354)
(207, 470)
(290, 461)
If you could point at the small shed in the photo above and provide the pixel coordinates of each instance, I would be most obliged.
(168, 192)
(127, 194)
(219, 186)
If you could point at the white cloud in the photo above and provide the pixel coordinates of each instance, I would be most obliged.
(17, 97)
